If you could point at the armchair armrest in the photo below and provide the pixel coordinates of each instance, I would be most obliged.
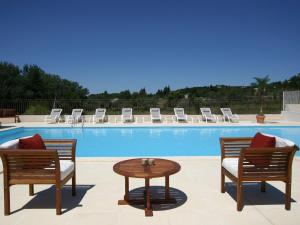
(266, 163)
(20, 165)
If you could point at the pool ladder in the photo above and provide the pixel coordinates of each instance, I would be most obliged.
(82, 122)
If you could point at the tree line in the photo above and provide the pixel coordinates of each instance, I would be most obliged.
(32, 83)
(273, 90)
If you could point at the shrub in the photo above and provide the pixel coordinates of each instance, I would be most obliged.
(37, 110)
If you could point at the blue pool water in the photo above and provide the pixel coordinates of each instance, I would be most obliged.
(146, 141)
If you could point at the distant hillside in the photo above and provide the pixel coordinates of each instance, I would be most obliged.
(274, 90)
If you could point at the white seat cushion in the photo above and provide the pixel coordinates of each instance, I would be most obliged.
(13, 144)
(231, 165)
(281, 142)
(66, 167)
(10, 144)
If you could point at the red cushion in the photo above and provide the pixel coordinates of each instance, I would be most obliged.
(34, 142)
(261, 141)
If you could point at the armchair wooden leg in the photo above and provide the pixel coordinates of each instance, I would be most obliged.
(263, 186)
(74, 185)
(239, 199)
(222, 181)
(288, 196)
(6, 200)
(31, 190)
(58, 199)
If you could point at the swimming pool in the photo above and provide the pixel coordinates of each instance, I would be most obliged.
(150, 141)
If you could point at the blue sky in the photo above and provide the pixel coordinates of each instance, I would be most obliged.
(117, 45)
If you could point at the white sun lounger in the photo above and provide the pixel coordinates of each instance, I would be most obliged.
(54, 116)
(127, 115)
(99, 115)
(75, 116)
(229, 116)
(179, 114)
(207, 116)
(155, 114)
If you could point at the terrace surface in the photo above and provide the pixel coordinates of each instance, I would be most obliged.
(196, 187)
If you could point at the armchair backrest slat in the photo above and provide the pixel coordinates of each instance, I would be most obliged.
(20, 164)
(65, 148)
(231, 147)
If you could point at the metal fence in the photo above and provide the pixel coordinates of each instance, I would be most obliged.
(290, 97)
(250, 105)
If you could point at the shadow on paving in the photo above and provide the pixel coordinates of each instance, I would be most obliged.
(46, 199)
(158, 192)
(253, 196)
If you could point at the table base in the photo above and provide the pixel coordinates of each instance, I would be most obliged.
(147, 201)
(148, 212)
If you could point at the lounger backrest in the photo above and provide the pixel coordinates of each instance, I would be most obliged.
(226, 112)
(155, 112)
(100, 112)
(179, 111)
(55, 112)
(206, 112)
(77, 112)
(127, 112)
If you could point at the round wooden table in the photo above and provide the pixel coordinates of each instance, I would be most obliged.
(134, 168)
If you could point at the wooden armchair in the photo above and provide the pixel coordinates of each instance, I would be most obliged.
(272, 164)
(56, 165)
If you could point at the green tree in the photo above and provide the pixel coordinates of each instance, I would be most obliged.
(11, 84)
(294, 82)
(260, 86)
(125, 94)
(142, 92)
(32, 82)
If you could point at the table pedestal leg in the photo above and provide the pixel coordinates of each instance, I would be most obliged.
(148, 210)
(147, 201)
(167, 188)
(126, 195)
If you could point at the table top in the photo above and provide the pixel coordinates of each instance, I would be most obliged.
(134, 168)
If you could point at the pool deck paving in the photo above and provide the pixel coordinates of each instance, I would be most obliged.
(196, 188)
(144, 120)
